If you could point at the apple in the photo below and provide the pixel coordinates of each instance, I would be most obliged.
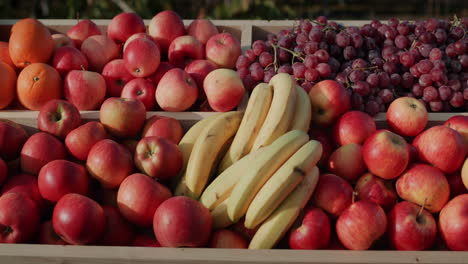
(335, 243)
(442, 147)
(185, 49)
(116, 76)
(142, 57)
(162, 69)
(410, 227)
(413, 152)
(130, 145)
(324, 137)
(12, 138)
(347, 162)
(48, 236)
(123, 117)
(123, 25)
(99, 50)
(109, 162)
(38, 150)
(224, 89)
(78, 220)
(163, 126)
(145, 240)
(453, 223)
(225, 238)
(333, 194)
(3, 171)
(58, 117)
(460, 124)
(164, 27)
(141, 89)
(314, 231)
(80, 140)
(138, 35)
(176, 91)
(68, 58)
(202, 30)
(375, 189)
(60, 177)
(25, 184)
(223, 49)
(182, 222)
(456, 185)
(424, 185)
(139, 207)
(199, 69)
(158, 158)
(62, 40)
(118, 232)
(19, 218)
(361, 224)
(246, 233)
(329, 100)
(84, 89)
(386, 154)
(353, 127)
(82, 30)
(407, 116)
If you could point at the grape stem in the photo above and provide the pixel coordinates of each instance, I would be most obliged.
(295, 54)
(275, 60)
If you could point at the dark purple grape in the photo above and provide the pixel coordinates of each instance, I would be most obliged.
(311, 47)
(440, 35)
(356, 75)
(311, 75)
(371, 43)
(417, 90)
(387, 51)
(259, 47)
(310, 61)
(334, 64)
(322, 55)
(407, 80)
(455, 85)
(299, 49)
(299, 70)
(391, 33)
(430, 94)
(384, 80)
(389, 67)
(395, 79)
(322, 20)
(393, 22)
(463, 59)
(243, 72)
(341, 78)
(323, 45)
(307, 86)
(457, 100)
(426, 37)
(403, 28)
(436, 106)
(419, 30)
(378, 62)
(456, 32)
(386, 95)
(435, 54)
(373, 80)
(305, 26)
(268, 75)
(375, 23)
(250, 55)
(401, 42)
(424, 50)
(356, 100)
(456, 66)
(424, 66)
(407, 59)
(439, 64)
(389, 42)
(349, 53)
(361, 88)
(372, 107)
(357, 41)
(373, 54)
(432, 24)
(284, 56)
(286, 68)
(465, 94)
(242, 62)
(249, 82)
(460, 47)
(445, 93)
(256, 71)
(342, 39)
(302, 38)
(265, 59)
(323, 69)
(330, 36)
(359, 64)
(450, 51)
(315, 35)
(414, 71)
(425, 79)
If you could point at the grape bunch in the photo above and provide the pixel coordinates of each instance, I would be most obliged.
(376, 62)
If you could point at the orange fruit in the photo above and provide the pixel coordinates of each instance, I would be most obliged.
(5, 54)
(7, 84)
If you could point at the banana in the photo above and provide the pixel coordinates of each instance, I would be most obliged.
(220, 216)
(303, 111)
(254, 116)
(282, 183)
(260, 170)
(279, 222)
(281, 112)
(207, 148)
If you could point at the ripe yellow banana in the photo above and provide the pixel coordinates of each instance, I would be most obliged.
(282, 183)
(303, 111)
(279, 222)
(207, 149)
(260, 170)
(254, 116)
(220, 216)
(281, 112)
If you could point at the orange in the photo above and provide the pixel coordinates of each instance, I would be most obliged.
(5, 54)
(7, 84)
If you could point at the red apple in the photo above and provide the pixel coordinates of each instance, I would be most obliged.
(165, 127)
(245, 232)
(324, 137)
(333, 194)
(82, 30)
(58, 117)
(78, 220)
(347, 162)
(139, 207)
(185, 49)
(375, 189)
(223, 49)
(85, 89)
(329, 100)
(199, 69)
(145, 240)
(136, 36)
(3, 171)
(314, 231)
(202, 30)
(12, 138)
(224, 89)
(158, 158)
(123, 25)
(424, 185)
(99, 50)
(116, 76)
(164, 27)
(162, 69)
(130, 145)
(60, 177)
(410, 227)
(460, 124)
(386, 154)
(442, 147)
(353, 127)
(80, 140)
(456, 185)
(62, 40)
(361, 224)
(176, 91)
(453, 223)
(225, 238)
(118, 231)
(407, 116)
(67, 59)
(413, 153)
(182, 222)
(142, 57)
(25, 184)
(109, 162)
(123, 117)
(141, 89)
(19, 218)
(40, 149)
(48, 236)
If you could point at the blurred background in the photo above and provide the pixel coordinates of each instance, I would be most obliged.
(236, 9)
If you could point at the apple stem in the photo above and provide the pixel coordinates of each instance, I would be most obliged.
(422, 208)
(82, 67)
